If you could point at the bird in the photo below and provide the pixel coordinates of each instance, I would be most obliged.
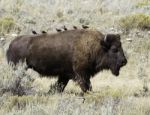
(85, 27)
(64, 27)
(75, 27)
(44, 32)
(58, 30)
(34, 32)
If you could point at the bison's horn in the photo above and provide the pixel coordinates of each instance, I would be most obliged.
(105, 38)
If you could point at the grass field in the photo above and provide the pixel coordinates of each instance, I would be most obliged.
(127, 94)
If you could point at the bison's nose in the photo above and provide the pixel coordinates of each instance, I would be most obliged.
(124, 62)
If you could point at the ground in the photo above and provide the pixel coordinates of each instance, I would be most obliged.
(127, 94)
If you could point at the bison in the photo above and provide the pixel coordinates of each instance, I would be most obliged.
(72, 54)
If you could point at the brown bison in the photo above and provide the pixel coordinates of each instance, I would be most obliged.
(72, 54)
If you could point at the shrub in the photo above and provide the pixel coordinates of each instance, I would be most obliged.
(139, 21)
(6, 24)
(143, 3)
(15, 80)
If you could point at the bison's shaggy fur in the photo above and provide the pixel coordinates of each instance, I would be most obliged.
(72, 54)
(18, 48)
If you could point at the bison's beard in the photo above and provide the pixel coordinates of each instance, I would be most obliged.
(115, 70)
(105, 65)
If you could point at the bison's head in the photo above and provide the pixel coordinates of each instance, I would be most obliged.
(113, 57)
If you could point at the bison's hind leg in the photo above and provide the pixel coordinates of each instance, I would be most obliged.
(60, 85)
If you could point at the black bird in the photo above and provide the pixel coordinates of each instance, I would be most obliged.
(64, 27)
(58, 30)
(85, 27)
(75, 27)
(44, 32)
(34, 32)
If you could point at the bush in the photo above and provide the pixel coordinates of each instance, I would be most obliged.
(143, 3)
(15, 80)
(139, 21)
(6, 24)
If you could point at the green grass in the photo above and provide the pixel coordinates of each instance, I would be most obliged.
(135, 21)
(143, 3)
(6, 24)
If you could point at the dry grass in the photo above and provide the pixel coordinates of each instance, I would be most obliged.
(127, 94)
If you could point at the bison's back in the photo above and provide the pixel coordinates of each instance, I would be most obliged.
(52, 54)
(55, 54)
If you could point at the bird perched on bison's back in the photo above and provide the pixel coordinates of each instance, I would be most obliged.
(74, 54)
(64, 27)
(85, 27)
(75, 27)
(58, 30)
(44, 32)
(34, 32)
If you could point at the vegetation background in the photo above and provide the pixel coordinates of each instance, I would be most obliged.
(127, 94)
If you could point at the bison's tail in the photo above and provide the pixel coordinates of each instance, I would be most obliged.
(8, 55)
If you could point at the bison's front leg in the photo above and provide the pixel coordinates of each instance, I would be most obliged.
(84, 82)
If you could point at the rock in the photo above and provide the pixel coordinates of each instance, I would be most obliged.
(129, 39)
(2, 39)
(14, 35)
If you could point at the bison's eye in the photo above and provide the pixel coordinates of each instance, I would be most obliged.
(114, 50)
